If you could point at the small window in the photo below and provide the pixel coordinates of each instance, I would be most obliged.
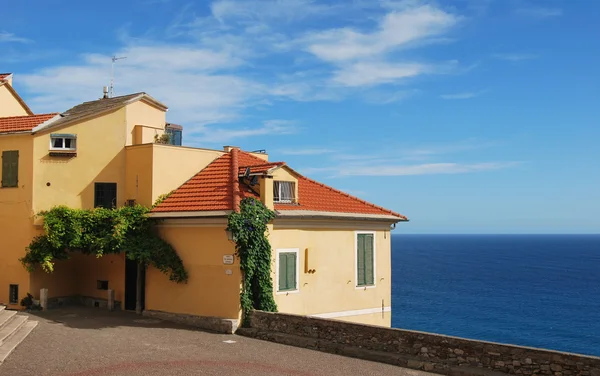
(284, 192)
(365, 259)
(287, 270)
(63, 142)
(105, 195)
(102, 285)
(13, 294)
(10, 168)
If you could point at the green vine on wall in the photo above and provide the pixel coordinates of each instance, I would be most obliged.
(102, 231)
(249, 228)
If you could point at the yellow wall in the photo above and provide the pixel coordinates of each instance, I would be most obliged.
(16, 219)
(332, 288)
(148, 119)
(9, 105)
(138, 174)
(209, 291)
(100, 158)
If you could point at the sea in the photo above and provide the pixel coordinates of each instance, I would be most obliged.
(531, 290)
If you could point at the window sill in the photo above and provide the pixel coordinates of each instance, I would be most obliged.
(365, 287)
(285, 292)
(63, 153)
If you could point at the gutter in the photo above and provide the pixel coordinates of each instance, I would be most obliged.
(311, 214)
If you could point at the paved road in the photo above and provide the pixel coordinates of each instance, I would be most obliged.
(90, 342)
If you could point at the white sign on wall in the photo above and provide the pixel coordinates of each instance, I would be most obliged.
(228, 259)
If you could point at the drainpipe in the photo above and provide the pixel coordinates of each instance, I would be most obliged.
(235, 179)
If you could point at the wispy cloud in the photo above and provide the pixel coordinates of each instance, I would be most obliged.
(514, 57)
(464, 95)
(426, 169)
(7, 37)
(539, 12)
(215, 135)
(306, 151)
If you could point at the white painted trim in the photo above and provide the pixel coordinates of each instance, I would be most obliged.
(356, 312)
(191, 214)
(356, 233)
(45, 124)
(287, 250)
(317, 214)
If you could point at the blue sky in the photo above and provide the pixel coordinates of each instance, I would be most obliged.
(468, 116)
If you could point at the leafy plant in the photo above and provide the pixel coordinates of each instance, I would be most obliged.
(29, 304)
(102, 231)
(249, 229)
(164, 138)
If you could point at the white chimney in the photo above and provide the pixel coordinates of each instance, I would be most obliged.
(105, 91)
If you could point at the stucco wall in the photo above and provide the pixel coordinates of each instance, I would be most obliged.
(9, 105)
(138, 174)
(16, 218)
(149, 117)
(210, 291)
(332, 288)
(419, 350)
(100, 158)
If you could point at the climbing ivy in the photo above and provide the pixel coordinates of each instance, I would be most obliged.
(102, 231)
(249, 228)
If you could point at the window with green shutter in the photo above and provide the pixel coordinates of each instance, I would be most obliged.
(10, 168)
(365, 259)
(287, 271)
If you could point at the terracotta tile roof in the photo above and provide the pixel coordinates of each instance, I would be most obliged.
(315, 196)
(22, 123)
(211, 189)
(4, 75)
(260, 169)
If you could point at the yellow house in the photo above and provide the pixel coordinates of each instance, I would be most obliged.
(331, 251)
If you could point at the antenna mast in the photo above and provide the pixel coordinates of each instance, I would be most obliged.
(112, 74)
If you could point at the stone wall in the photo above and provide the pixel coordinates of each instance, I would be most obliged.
(418, 350)
(215, 324)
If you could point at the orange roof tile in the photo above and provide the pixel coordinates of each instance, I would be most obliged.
(211, 189)
(22, 123)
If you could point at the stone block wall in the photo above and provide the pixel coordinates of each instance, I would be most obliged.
(418, 350)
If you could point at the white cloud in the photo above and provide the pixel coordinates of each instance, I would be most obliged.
(7, 37)
(463, 95)
(396, 29)
(214, 135)
(539, 12)
(424, 169)
(362, 74)
(514, 57)
(278, 10)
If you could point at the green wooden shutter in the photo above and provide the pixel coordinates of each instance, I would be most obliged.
(282, 271)
(369, 261)
(360, 260)
(287, 271)
(10, 168)
(291, 271)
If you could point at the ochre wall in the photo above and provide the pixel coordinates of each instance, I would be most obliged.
(209, 291)
(9, 105)
(149, 117)
(174, 165)
(16, 219)
(138, 174)
(100, 158)
(332, 288)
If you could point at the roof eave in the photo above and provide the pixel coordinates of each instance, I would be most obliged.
(308, 214)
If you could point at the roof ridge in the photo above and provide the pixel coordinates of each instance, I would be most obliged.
(117, 97)
(352, 197)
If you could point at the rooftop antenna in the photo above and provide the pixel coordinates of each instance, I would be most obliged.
(112, 74)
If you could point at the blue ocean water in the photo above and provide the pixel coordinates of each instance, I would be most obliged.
(531, 290)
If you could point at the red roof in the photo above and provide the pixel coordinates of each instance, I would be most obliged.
(212, 189)
(22, 123)
(4, 75)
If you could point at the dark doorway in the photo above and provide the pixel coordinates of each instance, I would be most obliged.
(131, 268)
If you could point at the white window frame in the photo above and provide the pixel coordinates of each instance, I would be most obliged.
(293, 192)
(356, 286)
(287, 250)
(64, 137)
